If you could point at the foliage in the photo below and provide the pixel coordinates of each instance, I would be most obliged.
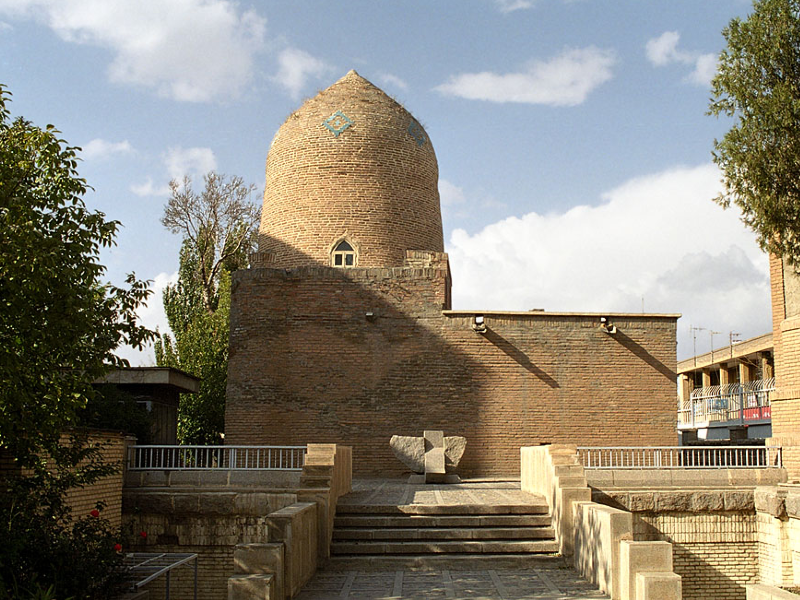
(758, 83)
(59, 324)
(43, 546)
(59, 328)
(219, 227)
(112, 408)
(219, 224)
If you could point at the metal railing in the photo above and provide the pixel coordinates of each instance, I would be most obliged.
(244, 458)
(681, 457)
(734, 402)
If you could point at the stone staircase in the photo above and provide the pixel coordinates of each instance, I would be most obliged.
(434, 534)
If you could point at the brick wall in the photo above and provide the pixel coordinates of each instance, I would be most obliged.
(308, 365)
(107, 489)
(715, 553)
(375, 183)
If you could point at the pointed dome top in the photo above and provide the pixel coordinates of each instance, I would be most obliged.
(350, 164)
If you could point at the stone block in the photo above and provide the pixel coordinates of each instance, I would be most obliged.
(707, 501)
(673, 501)
(641, 502)
(186, 503)
(220, 503)
(598, 531)
(155, 503)
(410, 450)
(658, 586)
(640, 557)
(261, 559)
(250, 587)
(738, 500)
(154, 478)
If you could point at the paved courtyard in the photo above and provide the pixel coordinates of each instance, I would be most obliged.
(543, 578)
(552, 580)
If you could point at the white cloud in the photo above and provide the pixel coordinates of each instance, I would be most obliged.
(705, 67)
(190, 50)
(663, 50)
(100, 149)
(179, 162)
(394, 80)
(296, 67)
(148, 189)
(564, 80)
(450, 194)
(194, 162)
(659, 238)
(507, 6)
(152, 316)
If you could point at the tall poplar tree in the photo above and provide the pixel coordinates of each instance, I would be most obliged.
(758, 83)
(218, 226)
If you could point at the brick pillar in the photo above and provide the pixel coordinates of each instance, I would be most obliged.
(767, 370)
(724, 375)
(706, 378)
(745, 373)
(684, 388)
(785, 287)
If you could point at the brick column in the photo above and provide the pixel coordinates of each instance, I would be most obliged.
(785, 287)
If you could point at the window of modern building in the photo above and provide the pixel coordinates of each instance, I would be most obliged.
(343, 255)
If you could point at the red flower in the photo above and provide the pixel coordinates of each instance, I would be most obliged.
(95, 513)
(143, 534)
(117, 547)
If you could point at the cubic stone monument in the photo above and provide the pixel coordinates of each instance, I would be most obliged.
(342, 329)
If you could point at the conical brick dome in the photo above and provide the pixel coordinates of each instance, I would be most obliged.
(350, 165)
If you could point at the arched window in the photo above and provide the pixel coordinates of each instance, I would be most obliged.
(344, 255)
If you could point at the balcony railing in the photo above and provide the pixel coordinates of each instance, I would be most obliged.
(681, 457)
(734, 402)
(242, 458)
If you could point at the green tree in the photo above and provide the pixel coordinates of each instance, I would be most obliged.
(60, 326)
(758, 83)
(218, 227)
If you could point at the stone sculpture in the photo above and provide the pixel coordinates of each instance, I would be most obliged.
(434, 454)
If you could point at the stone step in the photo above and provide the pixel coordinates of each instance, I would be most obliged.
(443, 509)
(444, 561)
(383, 548)
(443, 533)
(355, 520)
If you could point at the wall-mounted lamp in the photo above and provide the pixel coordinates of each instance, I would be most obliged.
(607, 327)
(370, 316)
(479, 324)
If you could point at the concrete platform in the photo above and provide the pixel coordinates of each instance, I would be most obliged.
(399, 517)
(548, 579)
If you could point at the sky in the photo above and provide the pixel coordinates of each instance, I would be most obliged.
(572, 137)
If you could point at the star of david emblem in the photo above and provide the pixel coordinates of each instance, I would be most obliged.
(415, 131)
(338, 122)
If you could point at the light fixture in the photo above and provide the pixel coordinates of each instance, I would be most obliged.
(370, 316)
(479, 324)
(607, 327)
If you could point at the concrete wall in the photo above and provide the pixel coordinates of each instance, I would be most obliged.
(212, 512)
(599, 538)
(307, 363)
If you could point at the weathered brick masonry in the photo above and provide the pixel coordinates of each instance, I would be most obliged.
(356, 355)
(307, 364)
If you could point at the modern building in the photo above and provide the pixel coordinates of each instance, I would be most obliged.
(725, 394)
(342, 330)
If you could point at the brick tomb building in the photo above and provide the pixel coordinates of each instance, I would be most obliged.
(342, 329)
